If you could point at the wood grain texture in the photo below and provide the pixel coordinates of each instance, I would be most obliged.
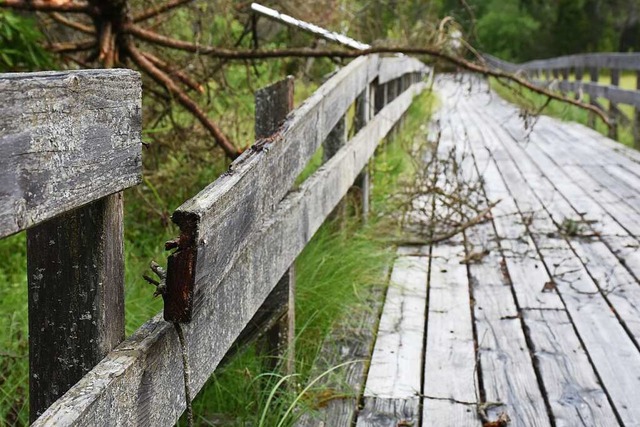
(217, 222)
(68, 138)
(450, 382)
(397, 356)
(385, 412)
(76, 296)
(605, 340)
(571, 385)
(393, 67)
(142, 375)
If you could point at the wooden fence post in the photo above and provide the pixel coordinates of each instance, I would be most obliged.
(76, 296)
(71, 144)
(613, 108)
(273, 103)
(579, 71)
(593, 76)
(363, 115)
(336, 139)
(636, 117)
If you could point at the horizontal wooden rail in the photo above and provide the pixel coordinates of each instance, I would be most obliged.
(261, 226)
(617, 61)
(216, 223)
(66, 139)
(557, 71)
(69, 143)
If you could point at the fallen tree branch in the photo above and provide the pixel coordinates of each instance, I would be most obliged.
(155, 11)
(163, 79)
(235, 54)
(70, 47)
(179, 74)
(72, 24)
(47, 6)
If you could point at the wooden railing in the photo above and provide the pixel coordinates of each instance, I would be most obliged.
(70, 142)
(555, 73)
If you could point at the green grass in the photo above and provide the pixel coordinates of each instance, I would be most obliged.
(331, 271)
(532, 102)
(334, 275)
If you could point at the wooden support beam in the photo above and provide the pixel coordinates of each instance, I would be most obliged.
(613, 107)
(70, 144)
(363, 183)
(273, 104)
(336, 139)
(76, 297)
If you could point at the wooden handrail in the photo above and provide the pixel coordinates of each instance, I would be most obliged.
(241, 233)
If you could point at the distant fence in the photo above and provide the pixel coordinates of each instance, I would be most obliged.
(70, 142)
(555, 73)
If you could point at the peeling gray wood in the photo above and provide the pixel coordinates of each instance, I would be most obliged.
(393, 386)
(66, 139)
(273, 104)
(142, 375)
(450, 358)
(217, 222)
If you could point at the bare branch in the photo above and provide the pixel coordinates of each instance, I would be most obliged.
(180, 75)
(155, 11)
(47, 6)
(70, 47)
(72, 24)
(236, 54)
(161, 78)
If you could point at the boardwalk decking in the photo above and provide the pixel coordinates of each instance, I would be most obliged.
(544, 327)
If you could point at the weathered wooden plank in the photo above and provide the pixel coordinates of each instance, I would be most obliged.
(68, 138)
(217, 222)
(76, 296)
(578, 292)
(571, 385)
(450, 384)
(619, 61)
(308, 27)
(391, 394)
(606, 342)
(393, 67)
(397, 355)
(142, 374)
(386, 412)
(273, 104)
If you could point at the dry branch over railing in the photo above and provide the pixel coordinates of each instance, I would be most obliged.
(566, 74)
(239, 236)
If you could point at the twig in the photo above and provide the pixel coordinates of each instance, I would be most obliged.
(72, 24)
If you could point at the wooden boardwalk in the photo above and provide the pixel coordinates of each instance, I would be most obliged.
(543, 327)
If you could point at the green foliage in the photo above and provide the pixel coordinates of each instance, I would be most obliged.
(506, 30)
(20, 44)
